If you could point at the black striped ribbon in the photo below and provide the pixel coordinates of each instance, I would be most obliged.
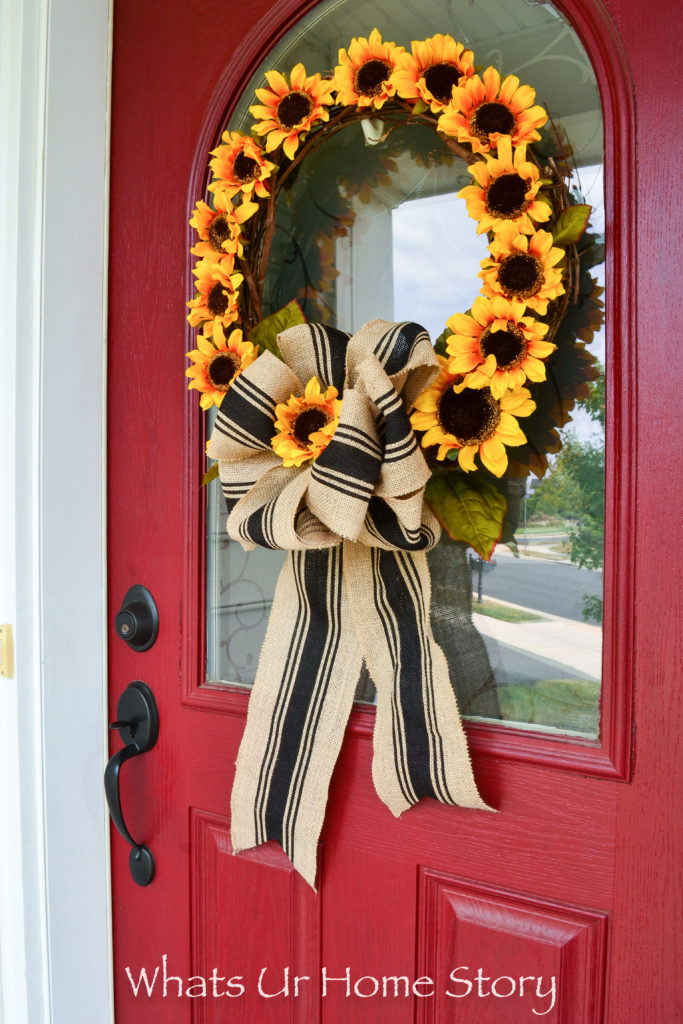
(355, 587)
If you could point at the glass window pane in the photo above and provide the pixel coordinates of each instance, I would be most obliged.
(376, 230)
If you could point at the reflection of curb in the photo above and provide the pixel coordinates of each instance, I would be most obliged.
(538, 556)
(543, 555)
(571, 623)
(505, 612)
(505, 604)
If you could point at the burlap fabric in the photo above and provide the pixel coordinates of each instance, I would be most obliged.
(355, 587)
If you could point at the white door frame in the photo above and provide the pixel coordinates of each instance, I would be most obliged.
(55, 934)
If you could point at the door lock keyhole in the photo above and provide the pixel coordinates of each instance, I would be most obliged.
(137, 622)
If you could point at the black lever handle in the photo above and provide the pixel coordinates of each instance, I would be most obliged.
(138, 724)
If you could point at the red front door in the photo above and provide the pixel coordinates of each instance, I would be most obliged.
(566, 887)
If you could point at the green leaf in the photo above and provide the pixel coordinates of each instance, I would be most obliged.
(571, 224)
(210, 475)
(471, 510)
(265, 334)
(440, 343)
(420, 107)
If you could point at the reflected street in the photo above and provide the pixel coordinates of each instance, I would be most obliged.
(554, 587)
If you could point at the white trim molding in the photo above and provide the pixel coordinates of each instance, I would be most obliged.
(55, 933)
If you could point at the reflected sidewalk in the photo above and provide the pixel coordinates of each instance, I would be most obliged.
(577, 645)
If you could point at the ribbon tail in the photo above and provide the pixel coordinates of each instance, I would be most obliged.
(419, 745)
(298, 711)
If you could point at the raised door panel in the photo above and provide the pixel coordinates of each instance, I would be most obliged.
(255, 922)
(508, 956)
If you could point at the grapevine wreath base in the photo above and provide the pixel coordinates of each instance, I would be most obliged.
(351, 451)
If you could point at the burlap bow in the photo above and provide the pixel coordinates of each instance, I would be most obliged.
(355, 587)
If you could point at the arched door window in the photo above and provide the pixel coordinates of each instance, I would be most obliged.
(372, 227)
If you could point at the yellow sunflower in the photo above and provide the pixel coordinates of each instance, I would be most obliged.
(496, 346)
(240, 166)
(506, 190)
(217, 296)
(431, 70)
(305, 425)
(362, 77)
(289, 109)
(219, 229)
(522, 267)
(217, 362)
(484, 108)
(470, 421)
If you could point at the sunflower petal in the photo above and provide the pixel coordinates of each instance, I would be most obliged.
(463, 362)
(482, 310)
(541, 349)
(274, 139)
(291, 145)
(461, 323)
(508, 88)
(278, 82)
(298, 76)
(498, 384)
(492, 453)
(434, 435)
(466, 458)
(491, 79)
(534, 368)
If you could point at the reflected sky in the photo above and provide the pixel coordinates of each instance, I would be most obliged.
(437, 253)
(436, 257)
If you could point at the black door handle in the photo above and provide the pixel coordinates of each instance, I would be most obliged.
(138, 725)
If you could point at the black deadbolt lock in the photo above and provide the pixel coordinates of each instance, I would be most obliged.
(138, 621)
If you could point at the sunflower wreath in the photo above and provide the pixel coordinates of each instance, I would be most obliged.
(349, 451)
(537, 299)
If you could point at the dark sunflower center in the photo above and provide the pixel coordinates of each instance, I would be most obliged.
(293, 109)
(307, 422)
(217, 300)
(222, 369)
(520, 275)
(371, 76)
(244, 169)
(509, 347)
(440, 79)
(506, 195)
(471, 417)
(490, 118)
(219, 232)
